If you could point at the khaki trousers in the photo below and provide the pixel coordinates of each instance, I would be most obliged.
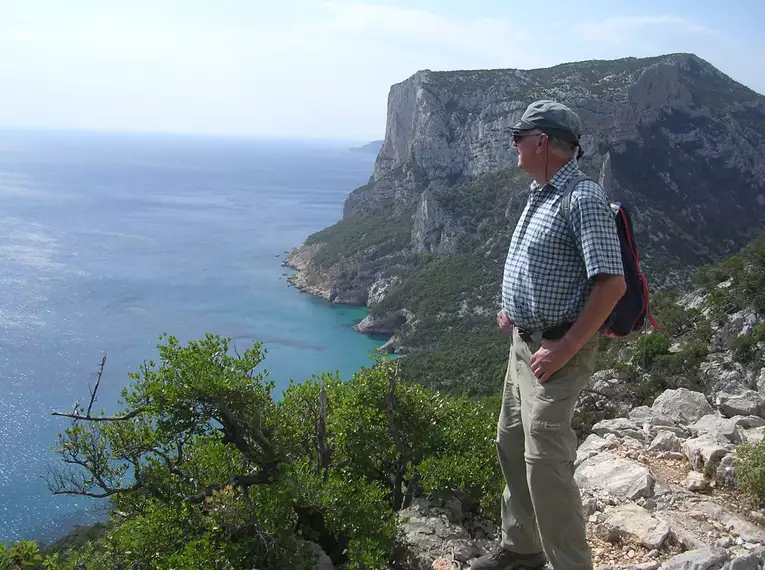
(541, 504)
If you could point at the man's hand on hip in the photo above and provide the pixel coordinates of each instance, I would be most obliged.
(504, 323)
(551, 357)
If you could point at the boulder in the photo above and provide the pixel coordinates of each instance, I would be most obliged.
(620, 427)
(620, 477)
(703, 450)
(709, 558)
(691, 533)
(426, 535)
(682, 405)
(641, 414)
(717, 427)
(591, 446)
(754, 435)
(665, 441)
(695, 482)
(747, 403)
(629, 522)
(750, 562)
(719, 379)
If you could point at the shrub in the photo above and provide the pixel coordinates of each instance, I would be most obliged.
(750, 469)
(744, 348)
(206, 470)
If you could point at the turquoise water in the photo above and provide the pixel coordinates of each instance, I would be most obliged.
(109, 240)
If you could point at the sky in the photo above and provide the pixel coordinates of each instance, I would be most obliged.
(315, 68)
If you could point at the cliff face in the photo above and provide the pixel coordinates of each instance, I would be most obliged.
(686, 142)
(679, 142)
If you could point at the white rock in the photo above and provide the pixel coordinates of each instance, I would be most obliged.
(704, 449)
(641, 414)
(620, 427)
(631, 522)
(682, 405)
(740, 526)
(709, 558)
(665, 441)
(591, 446)
(754, 435)
(747, 403)
(717, 427)
(620, 477)
(750, 562)
(695, 481)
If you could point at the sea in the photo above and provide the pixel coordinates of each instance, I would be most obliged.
(108, 240)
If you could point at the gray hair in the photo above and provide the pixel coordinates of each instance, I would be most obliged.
(560, 148)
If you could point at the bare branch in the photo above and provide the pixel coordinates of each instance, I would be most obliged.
(75, 416)
(86, 493)
(98, 383)
(73, 483)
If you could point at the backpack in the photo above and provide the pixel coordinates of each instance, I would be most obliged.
(632, 310)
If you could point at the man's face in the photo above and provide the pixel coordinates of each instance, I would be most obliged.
(527, 143)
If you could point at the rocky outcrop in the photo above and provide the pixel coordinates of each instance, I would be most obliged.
(307, 276)
(432, 231)
(644, 507)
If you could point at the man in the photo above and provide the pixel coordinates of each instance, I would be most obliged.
(563, 276)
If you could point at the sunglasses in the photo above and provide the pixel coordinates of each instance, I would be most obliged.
(518, 136)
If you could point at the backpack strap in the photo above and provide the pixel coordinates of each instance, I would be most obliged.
(565, 202)
(565, 205)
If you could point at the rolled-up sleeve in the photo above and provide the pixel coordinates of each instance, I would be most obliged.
(594, 229)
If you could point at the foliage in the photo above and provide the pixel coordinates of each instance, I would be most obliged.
(77, 539)
(750, 469)
(377, 234)
(743, 348)
(25, 555)
(738, 281)
(438, 285)
(205, 469)
(649, 347)
(467, 357)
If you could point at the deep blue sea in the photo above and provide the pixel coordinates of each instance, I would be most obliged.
(109, 240)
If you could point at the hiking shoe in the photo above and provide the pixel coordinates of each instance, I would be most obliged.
(503, 559)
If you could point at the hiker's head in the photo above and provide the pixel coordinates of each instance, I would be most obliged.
(547, 136)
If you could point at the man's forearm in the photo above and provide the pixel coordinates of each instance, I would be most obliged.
(606, 293)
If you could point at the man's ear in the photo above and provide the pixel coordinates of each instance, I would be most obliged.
(541, 143)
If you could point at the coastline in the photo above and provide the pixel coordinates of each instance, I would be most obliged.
(308, 279)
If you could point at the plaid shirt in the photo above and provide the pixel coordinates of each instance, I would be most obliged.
(550, 268)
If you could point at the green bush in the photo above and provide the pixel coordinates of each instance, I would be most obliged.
(205, 469)
(744, 348)
(649, 347)
(750, 469)
(746, 273)
(375, 235)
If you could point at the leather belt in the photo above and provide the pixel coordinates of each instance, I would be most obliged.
(553, 333)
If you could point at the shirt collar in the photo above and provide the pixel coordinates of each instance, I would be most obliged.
(560, 178)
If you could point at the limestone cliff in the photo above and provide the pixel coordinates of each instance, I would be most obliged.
(674, 138)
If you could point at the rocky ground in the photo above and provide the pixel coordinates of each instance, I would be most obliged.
(659, 490)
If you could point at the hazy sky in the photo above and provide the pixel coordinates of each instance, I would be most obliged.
(314, 68)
